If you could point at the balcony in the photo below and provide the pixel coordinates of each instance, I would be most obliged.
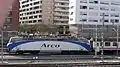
(59, 1)
(58, 5)
(60, 19)
(62, 10)
(60, 14)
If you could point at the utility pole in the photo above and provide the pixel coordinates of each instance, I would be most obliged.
(82, 28)
(96, 41)
(102, 36)
(117, 38)
(2, 30)
(2, 45)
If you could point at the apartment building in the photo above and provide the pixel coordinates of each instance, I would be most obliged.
(11, 23)
(30, 11)
(47, 12)
(88, 17)
(61, 15)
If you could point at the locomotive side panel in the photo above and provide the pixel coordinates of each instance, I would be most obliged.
(49, 46)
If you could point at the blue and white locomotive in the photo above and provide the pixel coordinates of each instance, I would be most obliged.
(47, 45)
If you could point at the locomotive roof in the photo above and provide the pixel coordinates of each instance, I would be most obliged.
(50, 38)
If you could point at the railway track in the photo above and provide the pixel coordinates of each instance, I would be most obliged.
(64, 65)
(55, 57)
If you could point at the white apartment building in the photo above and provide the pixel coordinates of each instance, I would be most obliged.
(47, 12)
(30, 11)
(88, 15)
(61, 15)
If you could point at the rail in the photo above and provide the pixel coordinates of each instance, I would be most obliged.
(64, 65)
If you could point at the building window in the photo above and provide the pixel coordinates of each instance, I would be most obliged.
(115, 3)
(40, 16)
(72, 7)
(112, 20)
(23, 22)
(34, 21)
(83, 20)
(39, 20)
(93, 20)
(114, 15)
(35, 16)
(20, 18)
(93, 1)
(83, 1)
(31, 4)
(37, 11)
(83, 7)
(93, 8)
(36, 3)
(28, 13)
(33, 12)
(105, 14)
(36, 7)
(30, 21)
(113, 9)
(23, 18)
(105, 3)
(83, 13)
(71, 19)
(116, 20)
(40, 1)
(27, 9)
(31, 17)
(40, 11)
(104, 8)
(71, 13)
(106, 20)
(31, 8)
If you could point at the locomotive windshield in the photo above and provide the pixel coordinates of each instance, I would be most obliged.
(15, 40)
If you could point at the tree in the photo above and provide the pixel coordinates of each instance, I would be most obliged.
(23, 29)
(38, 28)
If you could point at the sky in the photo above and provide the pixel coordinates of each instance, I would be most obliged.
(4, 6)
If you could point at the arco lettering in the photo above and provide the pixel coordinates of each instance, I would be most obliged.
(50, 45)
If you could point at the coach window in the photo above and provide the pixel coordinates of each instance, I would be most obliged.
(107, 43)
(114, 44)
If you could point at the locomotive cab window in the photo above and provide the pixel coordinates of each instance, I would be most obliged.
(13, 40)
